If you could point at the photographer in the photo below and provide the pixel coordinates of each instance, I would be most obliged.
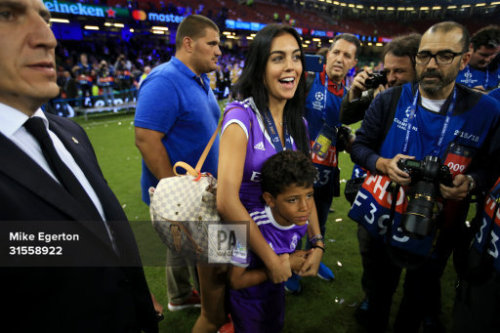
(322, 115)
(431, 120)
(484, 46)
(105, 81)
(399, 68)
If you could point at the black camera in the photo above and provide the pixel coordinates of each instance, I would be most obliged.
(426, 175)
(375, 79)
(344, 136)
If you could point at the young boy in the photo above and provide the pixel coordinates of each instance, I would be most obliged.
(257, 304)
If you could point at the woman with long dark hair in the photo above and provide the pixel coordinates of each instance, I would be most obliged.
(267, 117)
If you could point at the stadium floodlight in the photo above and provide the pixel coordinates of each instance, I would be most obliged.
(465, 6)
(158, 32)
(343, 4)
(451, 7)
(58, 20)
(380, 8)
(401, 8)
(391, 8)
(336, 3)
(379, 44)
(410, 8)
(424, 8)
(359, 6)
(495, 3)
(91, 27)
(436, 8)
(118, 25)
(159, 28)
(481, 4)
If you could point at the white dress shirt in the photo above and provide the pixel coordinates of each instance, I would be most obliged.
(11, 126)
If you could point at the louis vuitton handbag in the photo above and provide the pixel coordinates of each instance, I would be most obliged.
(181, 207)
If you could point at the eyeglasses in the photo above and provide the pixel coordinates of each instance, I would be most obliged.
(441, 57)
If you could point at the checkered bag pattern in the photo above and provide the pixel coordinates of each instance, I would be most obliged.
(180, 208)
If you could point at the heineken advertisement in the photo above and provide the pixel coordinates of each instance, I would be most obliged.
(61, 7)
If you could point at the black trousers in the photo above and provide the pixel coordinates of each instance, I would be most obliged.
(421, 290)
(477, 307)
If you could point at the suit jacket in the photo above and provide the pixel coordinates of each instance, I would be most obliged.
(94, 288)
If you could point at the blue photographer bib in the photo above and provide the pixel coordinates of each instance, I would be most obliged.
(322, 114)
(453, 137)
(472, 77)
(488, 237)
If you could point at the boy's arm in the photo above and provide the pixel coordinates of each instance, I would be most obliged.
(241, 277)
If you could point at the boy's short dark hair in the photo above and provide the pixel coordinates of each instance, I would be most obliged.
(287, 168)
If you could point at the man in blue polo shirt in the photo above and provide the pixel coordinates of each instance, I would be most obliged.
(484, 46)
(176, 115)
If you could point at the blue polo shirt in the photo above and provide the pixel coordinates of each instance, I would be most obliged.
(173, 101)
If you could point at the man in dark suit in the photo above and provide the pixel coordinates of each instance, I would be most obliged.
(49, 174)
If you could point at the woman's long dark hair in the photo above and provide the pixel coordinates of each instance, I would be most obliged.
(251, 82)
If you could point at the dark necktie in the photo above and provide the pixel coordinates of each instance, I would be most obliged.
(37, 128)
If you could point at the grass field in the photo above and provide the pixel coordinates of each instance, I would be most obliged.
(321, 307)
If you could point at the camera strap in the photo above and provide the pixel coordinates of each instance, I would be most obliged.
(412, 116)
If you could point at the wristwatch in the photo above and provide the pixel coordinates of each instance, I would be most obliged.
(472, 182)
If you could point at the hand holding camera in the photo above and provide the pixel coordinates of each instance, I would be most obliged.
(366, 80)
(426, 176)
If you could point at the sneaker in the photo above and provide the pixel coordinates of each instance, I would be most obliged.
(192, 301)
(227, 327)
(292, 285)
(325, 273)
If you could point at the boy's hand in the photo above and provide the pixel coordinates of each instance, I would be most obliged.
(297, 259)
(310, 267)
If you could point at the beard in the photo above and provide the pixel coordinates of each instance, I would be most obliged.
(441, 80)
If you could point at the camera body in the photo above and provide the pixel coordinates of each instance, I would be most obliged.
(375, 79)
(426, 175)
(344, 136)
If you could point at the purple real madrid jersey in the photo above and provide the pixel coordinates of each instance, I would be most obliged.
(259, 148)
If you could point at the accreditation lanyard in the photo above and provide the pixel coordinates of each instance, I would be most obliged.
(273, 133)
(446, 123)
(325, 97)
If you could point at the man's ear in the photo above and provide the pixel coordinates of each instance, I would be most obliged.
(269, 199)
(465, 60)
(188, 44)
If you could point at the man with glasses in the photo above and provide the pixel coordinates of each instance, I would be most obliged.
(437, 122)
(484, 46)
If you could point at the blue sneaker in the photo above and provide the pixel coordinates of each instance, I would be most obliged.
(292, 285)
(325, 273)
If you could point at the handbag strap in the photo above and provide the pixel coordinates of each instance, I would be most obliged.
(196, 172)
(210, 143)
